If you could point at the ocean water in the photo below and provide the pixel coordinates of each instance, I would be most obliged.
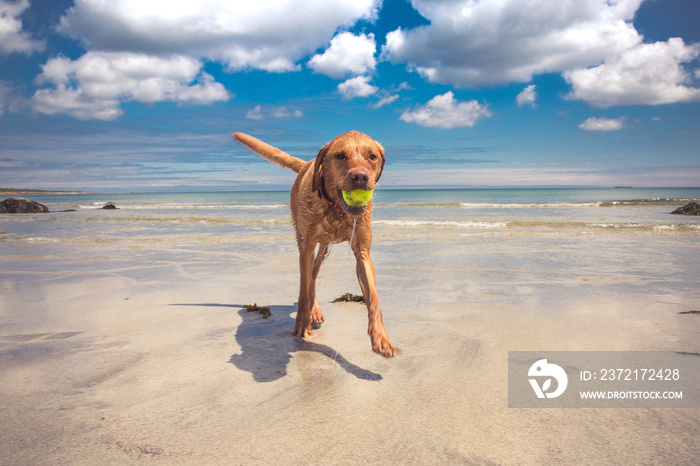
(468, 211)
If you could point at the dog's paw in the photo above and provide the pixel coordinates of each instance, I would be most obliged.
(302, 330)
(382, 345)
(317, 318)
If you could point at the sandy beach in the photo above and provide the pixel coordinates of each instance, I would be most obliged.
(139, 351)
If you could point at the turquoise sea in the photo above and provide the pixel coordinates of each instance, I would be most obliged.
(473, 211)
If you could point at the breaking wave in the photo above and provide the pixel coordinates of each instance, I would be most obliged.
(440, 223)
(544, 225)
(100, 205)
(542, 205)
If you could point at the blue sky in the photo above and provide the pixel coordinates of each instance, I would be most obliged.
(141, 95)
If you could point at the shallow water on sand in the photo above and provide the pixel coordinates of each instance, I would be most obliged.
(124, 340)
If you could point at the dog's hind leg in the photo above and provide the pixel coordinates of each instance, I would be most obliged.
(307, 293)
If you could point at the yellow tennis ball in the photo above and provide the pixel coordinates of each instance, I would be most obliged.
(357, 198)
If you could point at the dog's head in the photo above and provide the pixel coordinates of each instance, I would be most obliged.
(349, 162)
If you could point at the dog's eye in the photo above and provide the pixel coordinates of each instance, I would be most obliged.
(340, 156)
(372, 156)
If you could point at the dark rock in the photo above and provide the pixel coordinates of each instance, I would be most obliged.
(109, 206)
(691, 208)
(19, 205)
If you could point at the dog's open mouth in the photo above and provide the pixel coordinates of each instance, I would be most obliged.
(358, 210)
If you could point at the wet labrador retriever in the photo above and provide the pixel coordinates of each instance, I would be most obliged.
(322, 215)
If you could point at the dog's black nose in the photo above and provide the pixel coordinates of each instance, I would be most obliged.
(359, 177)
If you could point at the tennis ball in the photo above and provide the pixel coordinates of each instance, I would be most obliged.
(357, 198)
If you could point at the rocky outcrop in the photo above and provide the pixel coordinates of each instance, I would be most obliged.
(109, 206)
(19, 205)
(692, 208)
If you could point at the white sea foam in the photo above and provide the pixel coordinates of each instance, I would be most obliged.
(100, 205)
(475, 212)
(539, 225)
(473, 205)
(441, 223)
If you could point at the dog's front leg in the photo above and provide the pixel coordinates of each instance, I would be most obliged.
(368, 283)
(316, 313)
(307, 290)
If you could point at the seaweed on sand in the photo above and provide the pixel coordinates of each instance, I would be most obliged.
(263, 311)
(349, 298)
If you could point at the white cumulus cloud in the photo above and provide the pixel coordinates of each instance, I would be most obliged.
(269, 35)
(348, 54)
(444, 111)
(472, 43)
(12, 37)
(95, 85)
(171, 40)
(528, 96)
(603, 124)
(357, 87)
(649, 74)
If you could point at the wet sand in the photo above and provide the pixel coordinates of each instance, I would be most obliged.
(108, 359)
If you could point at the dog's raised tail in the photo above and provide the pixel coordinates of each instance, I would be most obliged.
(272, 154)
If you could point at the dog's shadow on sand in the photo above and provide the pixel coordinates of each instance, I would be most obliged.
(267, 345)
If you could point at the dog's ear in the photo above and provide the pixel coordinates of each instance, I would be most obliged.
(317, 167)
(381, 167)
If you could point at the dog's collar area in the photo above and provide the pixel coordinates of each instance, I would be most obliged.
(324, 195)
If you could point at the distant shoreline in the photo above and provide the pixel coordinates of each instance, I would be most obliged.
(41, 192)
(47, 192)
